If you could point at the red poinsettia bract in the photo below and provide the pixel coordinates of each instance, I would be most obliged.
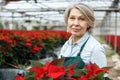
(48, 70)
(18, 77)
(92, 71)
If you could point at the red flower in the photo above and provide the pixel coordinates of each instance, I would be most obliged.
(54, 71)
(100, 70)
(51, 70)
(18, 77)
(47, 71)
(83, 78)
(39, 72)
(70, 70)
(93, 69)
(28, 40)
(28, 44)
(34, 49)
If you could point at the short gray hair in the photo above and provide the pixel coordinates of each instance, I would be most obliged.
(86, 10)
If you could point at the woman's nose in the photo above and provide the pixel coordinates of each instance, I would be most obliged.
(76, 22)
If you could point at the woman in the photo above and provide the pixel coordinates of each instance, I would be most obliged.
(80, 21)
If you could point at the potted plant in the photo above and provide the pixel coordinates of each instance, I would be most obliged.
(17, 48)
(55, 70)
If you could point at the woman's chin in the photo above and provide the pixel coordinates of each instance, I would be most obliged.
(73, 32)
(76, 34)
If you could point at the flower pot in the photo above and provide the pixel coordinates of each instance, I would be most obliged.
(9, 74)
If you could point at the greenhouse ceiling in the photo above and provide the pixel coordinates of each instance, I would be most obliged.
(51, 10)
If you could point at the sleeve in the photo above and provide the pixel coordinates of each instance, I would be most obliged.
(98, 56)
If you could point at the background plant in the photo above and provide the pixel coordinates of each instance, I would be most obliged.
(18, 47)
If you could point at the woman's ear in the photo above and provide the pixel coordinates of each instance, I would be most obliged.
(88, 28)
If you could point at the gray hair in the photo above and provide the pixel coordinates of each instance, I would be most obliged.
(86, 11)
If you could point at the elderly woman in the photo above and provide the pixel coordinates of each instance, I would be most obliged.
(80, 22)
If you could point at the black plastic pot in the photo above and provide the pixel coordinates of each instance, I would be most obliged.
(10, 74)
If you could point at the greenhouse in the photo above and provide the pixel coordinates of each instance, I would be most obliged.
(40, 35)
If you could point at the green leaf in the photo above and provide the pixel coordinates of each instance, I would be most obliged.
(30, 78)
(100, 76)
(58, 62)
(31, 73)
(50, 79)
(39, 79)
(108, 67)
(79, 72)
(107, 78)
(36, 63)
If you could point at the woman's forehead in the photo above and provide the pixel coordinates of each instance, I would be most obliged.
(76, 12)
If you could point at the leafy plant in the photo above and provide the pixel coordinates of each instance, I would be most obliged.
(56, 71)
(18, 47)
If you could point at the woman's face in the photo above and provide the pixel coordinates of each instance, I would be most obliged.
(77, 23)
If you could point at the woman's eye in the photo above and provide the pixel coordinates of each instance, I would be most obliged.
(81, 19)
(72, 18)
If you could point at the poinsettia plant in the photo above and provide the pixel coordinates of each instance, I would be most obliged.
(18, 47)
(55, 70)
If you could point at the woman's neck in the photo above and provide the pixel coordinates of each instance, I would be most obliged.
(75, 39)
